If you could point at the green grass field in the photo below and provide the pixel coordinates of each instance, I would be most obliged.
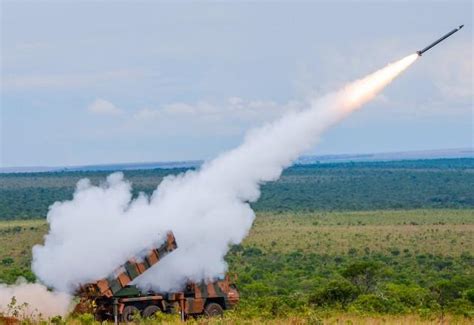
(437, 232)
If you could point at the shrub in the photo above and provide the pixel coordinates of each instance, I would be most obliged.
(370, 303)
(86, 319)
(363, 274)
(7, 261)
(395, 251)
(57, 320)
(236, 249)
(445, 291)
(411, 297)
(335, 292)
(352, 251)
(461, 307)
(252, 251)
(469, 294)
(257, 289)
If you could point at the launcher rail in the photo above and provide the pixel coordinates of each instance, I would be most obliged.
(129, 271)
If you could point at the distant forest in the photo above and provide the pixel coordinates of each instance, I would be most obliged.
(439, 183)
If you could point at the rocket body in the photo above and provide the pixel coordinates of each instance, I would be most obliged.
(420, 52)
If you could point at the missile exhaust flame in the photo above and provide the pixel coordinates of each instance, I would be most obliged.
(365, 89)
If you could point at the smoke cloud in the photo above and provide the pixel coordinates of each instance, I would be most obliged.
(207, 210)
(33, 300)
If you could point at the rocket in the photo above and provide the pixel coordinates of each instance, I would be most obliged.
(420, 52)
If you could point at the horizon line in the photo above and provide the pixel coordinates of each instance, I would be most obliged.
(304, 159)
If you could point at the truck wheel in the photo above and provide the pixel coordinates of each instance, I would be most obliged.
(150, 311)
(213, 310)
(129, 312)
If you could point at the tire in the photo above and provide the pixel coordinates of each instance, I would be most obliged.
(150, 311)
(128, 313)
(213, 310)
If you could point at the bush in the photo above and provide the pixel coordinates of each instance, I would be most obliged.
(7, 261)
(371, 303)
(57, 320)
(363, 274)
(86, 319)
(252, 251)
(410, 297)
(469, 294)
(276, 306)
(257, 289)
(446, 291)
(340, 292)
(11, 274)
(352, 251)
(461, 307)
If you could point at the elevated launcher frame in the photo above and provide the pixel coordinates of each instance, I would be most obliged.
(129, 271)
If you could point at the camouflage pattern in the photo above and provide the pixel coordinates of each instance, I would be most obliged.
(191, 301)
(108, 298)
(126, 273)
(199, 294)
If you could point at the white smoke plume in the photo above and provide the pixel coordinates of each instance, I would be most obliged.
(207, 210)
(33, 301)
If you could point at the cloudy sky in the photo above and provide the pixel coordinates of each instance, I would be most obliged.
(107, 82)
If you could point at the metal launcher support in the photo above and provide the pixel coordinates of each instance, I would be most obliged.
(129, 271)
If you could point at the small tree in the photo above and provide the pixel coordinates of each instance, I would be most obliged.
(446, 291)
(363, 274)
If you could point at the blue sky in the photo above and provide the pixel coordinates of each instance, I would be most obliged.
(107, 82)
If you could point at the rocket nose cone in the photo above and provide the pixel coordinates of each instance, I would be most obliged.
(460, 26)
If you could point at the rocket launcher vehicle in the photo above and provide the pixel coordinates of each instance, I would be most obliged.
(129, 271)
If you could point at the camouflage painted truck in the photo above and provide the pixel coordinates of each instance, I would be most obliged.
(115, 299)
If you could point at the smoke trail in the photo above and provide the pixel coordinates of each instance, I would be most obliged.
(33, 300)
(207, 210)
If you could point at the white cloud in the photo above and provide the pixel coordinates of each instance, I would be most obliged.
(62, 81)
(103, 107)
(228, 117)
(146, 114)
(234, 108)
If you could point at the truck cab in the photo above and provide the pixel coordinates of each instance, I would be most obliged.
(210, 298)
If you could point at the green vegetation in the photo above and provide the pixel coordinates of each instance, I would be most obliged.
(16, 240)
(362, 186)
(372, 186)
(332, 242)
(377, 262)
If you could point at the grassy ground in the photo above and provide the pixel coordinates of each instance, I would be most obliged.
(437, 232)
(341, 319)
(16, 240)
